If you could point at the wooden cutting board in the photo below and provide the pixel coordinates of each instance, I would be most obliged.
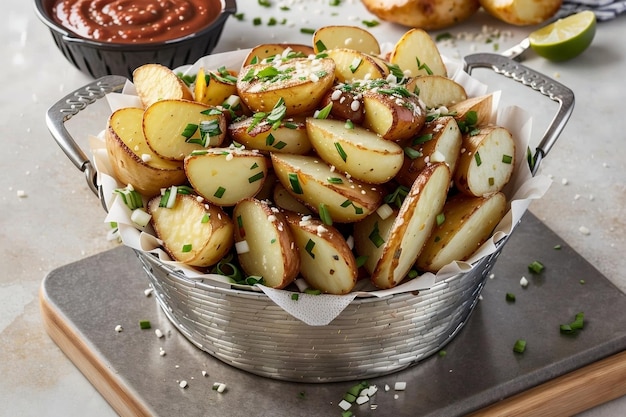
(82, 303)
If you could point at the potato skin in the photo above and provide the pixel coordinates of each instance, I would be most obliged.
(425, 14)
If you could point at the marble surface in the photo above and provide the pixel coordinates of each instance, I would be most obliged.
(50, 218)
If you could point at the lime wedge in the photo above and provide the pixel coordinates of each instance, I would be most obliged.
(566, 38)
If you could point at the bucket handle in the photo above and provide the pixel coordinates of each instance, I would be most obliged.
(69, 106)
(538, 82)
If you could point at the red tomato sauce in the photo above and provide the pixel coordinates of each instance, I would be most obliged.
(134, 21)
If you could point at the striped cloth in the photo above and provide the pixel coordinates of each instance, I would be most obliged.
(604, 9)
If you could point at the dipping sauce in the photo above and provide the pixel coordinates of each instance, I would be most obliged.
(135, 21)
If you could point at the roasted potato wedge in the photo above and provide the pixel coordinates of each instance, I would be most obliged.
(351, 37)
(300, 82)
(412, 226)
(264, 243)
(270, 51)
(193, 231)
(481, 105)
(437, 91)
(355, 150)
(154, 82)
(487, 161)
(316, 184)
(225, 176)
(175, 128)
(214, 87)
(416, 54)
(425, 14)
(326, 261)
(132, 160)
(466, 224)
(393, 112)
(289, 137)
(439, 141)
(354, 65)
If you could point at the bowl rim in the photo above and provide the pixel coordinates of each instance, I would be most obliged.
(228, 7)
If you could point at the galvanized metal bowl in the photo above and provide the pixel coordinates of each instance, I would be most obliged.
(371, 337)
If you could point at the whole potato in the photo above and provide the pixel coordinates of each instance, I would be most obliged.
(424, 14)
(521, 12)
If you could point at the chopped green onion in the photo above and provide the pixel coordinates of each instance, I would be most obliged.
(307, 31)
(131, 198)
(342, 153)
(507, 159)
(140, 217)
(360, 261)
(265, 3)
(535, 267)
(349, 124)
(320, 45)
(334, 180)
(257, 21)
(325, 112)
(144, 324)
(256, 177)
(189, 130)
(491, 181)
(312, 291)
(440, 219)
(186, 248)
(325, 214)
(375, 236)
(443, 36)
(442, 353)
(412, 153)
(477, 158)
(309, 248)
(355, 64)
(370, 23)
(510, 297)
(520, 346)
(295, 296)
(219, 193)
(557, 247)
(295, 183)
(205, 218)
(422, 139)
(573, 327)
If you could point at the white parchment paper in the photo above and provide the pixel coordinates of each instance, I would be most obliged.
(319, 310)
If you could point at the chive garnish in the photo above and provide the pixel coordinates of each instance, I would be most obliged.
(334, 180)
(507, 159)
(144, 324)
(186, 248)
(520, 346)
(440, 219)
(219, 193)
(535, 267)
(477, 159)
(375, 237)
(341, 152)
(205, 218)
(255, 177)
(411, 153)
(320, 45)
(295, 183)
(325, 214)
(309, 248)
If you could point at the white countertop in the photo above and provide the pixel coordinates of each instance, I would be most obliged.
(50, 218)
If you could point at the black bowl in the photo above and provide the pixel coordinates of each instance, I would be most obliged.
(99, 58)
